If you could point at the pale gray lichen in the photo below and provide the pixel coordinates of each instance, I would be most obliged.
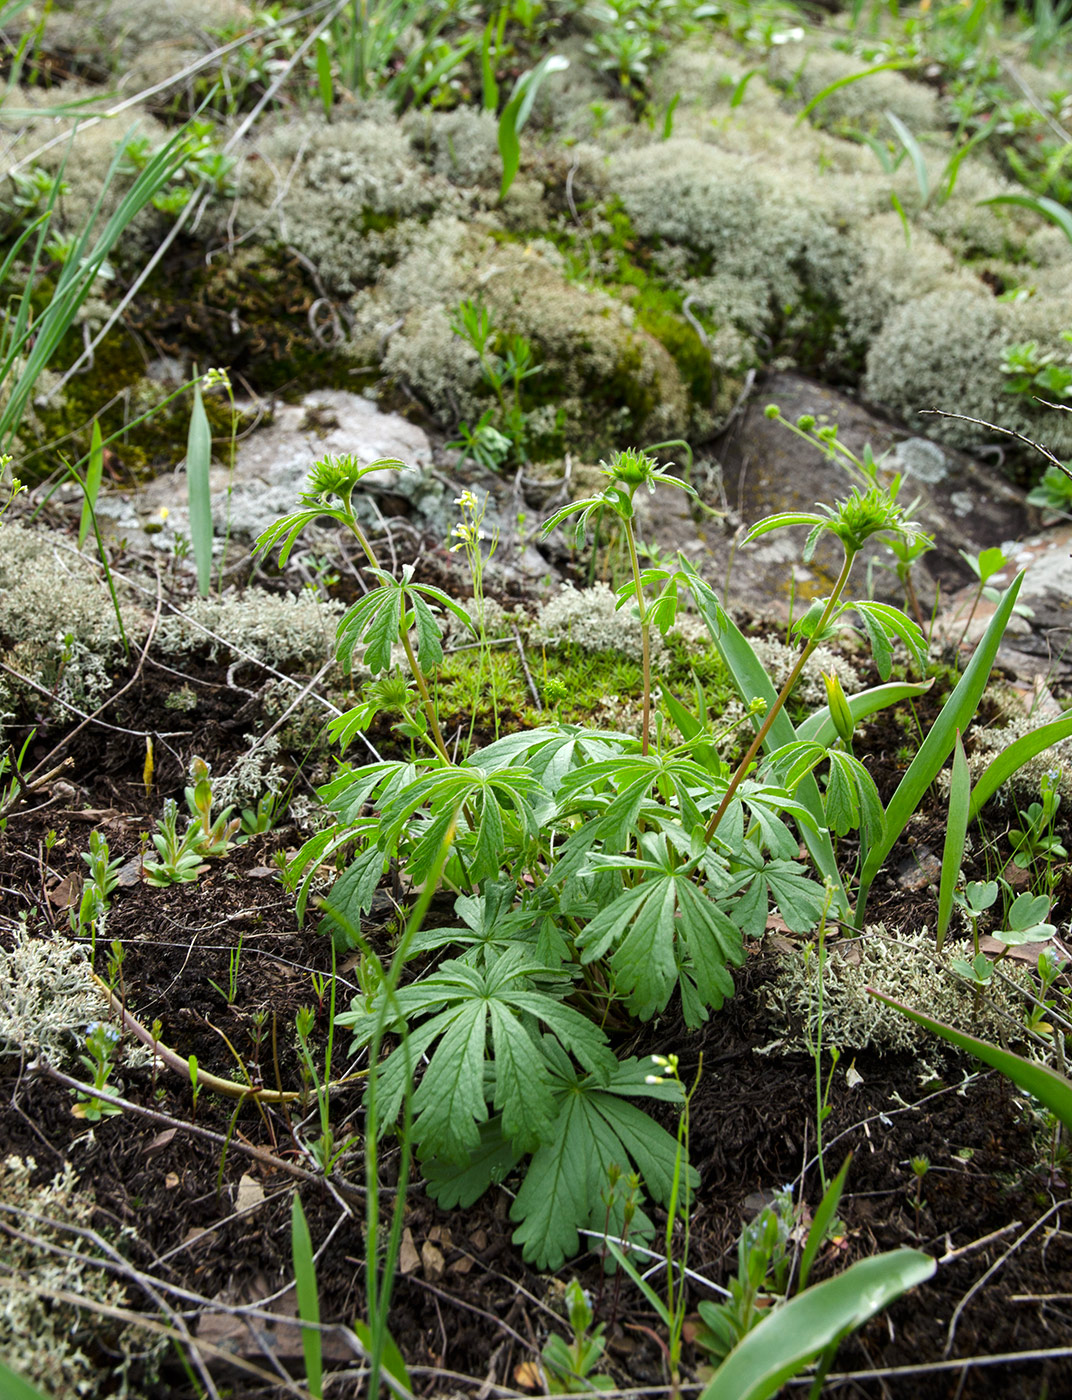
(45, 995)
(861, 104)
(251, 775)
(287, 631)
(945, 351)
(906, 967)
(588, 619)
(43, 1338)
(761, 247)
(339, 193)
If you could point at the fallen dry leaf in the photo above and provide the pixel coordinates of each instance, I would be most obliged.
(432, 1259)
(250, 1193)
(408, 1258)
(527, 1376)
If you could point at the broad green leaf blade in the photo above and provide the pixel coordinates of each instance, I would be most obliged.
(308, 1301)
(819, 727)
(956, 715)
(1051, 1089)
(751, 681)
(94, 473)
(449, 1102)
(1013, 758)
(956, 829)
(797, 1332)
(522, 1091)
(451, 1185)
(821, 1222)
(198, 461)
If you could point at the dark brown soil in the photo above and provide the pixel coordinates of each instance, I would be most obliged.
(466, 1305)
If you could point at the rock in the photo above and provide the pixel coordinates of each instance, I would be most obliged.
(272, 465)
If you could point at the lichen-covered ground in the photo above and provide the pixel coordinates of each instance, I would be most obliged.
(705, 195)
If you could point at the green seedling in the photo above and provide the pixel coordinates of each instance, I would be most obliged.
(100, 1043)
(569, 1366)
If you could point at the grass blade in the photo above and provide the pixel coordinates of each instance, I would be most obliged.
(831, 88)
(956, 715)
(308, 1302)
(13, 1387)
(955, 831)
(798, 1331)
(1051, 1089)
(915, 154)
(821, 1222)
(94, 473)
(1042, 205)
(1010, 760)
(198, 460)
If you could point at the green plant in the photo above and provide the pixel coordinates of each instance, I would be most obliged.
(1053, 492)
(1033, 373)
(301, 1249)
(1025, 922)
(1035, 842)
(31, 339)
(88, 920)
(325, 1149)
(180, 857)
(233, 962)
(393, 47)
(671, 1311)
(506, 361)
(198, 462)
(101, 1042)
(920, 1166)
(810, 1327)
(516, 113)
(195, 1084)
(569, 1366)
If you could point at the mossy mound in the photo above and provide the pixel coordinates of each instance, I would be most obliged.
(945, 351)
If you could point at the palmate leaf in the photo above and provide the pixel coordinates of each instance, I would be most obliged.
(565, 1187)
(883, 624)
(504, 1001)
(663, 925)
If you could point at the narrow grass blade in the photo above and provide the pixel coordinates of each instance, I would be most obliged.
(956, 829)
(819, 727)
(94, 473)
(1051, 1089)
(742, 87)
(956, 715)
(1042, 205)
(831, 88)
(952, 170)
(1010, 760)
(915, 155)
(821, 1222)
(323, 76)
(308, 1302)
(799, 1331)
(198, 461)
(490, 93)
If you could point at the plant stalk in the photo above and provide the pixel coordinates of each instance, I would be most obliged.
(645, 635)
(783, 696)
